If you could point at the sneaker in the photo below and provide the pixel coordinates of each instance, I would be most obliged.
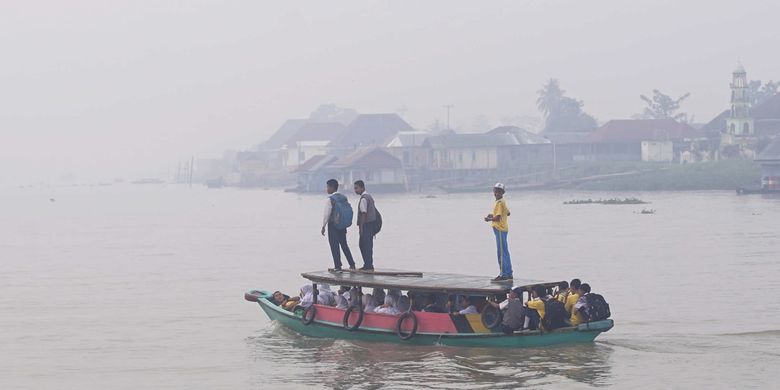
(500, 278)
(364, 268)
(351, 267)
(336, 268)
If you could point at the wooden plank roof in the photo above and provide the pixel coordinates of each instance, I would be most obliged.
(427, 282)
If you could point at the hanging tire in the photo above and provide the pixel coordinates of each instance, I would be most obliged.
(491, 317)
(399, 324)
(359, 321)
(308, 315)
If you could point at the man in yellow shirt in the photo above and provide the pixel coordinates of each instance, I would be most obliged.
(499, 221)
(538, 296)
(575, 318)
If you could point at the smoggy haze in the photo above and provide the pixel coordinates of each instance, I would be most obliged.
(125, 89)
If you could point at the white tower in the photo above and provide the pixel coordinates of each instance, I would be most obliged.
(740, 123)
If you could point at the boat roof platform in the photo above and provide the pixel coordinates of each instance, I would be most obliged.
(422, 281)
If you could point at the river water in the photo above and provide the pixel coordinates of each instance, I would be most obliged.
(136, 286)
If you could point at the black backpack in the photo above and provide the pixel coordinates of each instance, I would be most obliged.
(555, 314)
(598, 308)
(378, 222)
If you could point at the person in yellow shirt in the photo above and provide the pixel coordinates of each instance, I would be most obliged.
(575, 316)
(563, 292)
(536, 304)
(499, 221)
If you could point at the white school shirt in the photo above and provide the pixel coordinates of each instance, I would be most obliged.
(328, 210)
(363, 204)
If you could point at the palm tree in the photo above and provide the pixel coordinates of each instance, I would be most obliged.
(662, 106)
(549, 97)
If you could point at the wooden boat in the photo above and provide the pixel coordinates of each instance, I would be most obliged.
(416, 327)
(753, 191)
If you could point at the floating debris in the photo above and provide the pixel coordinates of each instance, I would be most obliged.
(607, 201)
(647, 211)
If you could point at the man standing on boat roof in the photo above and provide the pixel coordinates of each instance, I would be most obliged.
(337, 218)
(499, 221)
(367, 221)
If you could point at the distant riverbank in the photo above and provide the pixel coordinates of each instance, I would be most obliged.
(716, 175)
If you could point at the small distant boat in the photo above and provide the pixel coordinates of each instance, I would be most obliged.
(416, 327)
(752, 191)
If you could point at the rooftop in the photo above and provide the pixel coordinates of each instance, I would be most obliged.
(426, 282)
(316, 131)
(372, 129)
(637, 130)
(523, 137)
(471, 140)
(368, 158)
(287, 130)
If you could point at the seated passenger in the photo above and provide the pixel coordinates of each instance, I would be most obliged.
(514, 312)
(342, 302)
(574, 317)
(420, 300)
(379, 296)
(431, 306)
(563, 292)
(325, 296)
(467, 305)
(390, 306)
(368, 303)
(278, 298)
(581, 307)
(404, 304)
(536, 304)
(306, 296)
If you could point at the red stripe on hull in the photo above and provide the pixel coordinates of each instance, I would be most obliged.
(427, 322)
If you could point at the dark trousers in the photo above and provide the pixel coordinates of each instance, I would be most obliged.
(367, 244)
(335, 238)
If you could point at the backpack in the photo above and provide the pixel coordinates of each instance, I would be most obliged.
(341, 214)
(598, 308)
(378, 222)
(555, 314)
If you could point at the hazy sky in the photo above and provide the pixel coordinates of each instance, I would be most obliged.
(101, 89)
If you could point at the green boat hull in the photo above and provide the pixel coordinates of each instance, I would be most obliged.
(584, 333)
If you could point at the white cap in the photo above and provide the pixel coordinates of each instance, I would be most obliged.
(499, 185)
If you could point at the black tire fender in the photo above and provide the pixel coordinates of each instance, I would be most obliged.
(308, 315)
(359, 321)
(401, 319)
(491, 316)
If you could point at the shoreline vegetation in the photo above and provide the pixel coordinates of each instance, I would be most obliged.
(725, 175)
(715, 175)
(611, 201)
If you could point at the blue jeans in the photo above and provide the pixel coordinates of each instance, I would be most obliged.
(502, 249)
